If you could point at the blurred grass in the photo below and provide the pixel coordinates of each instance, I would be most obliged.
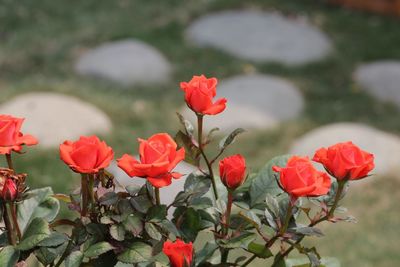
(39, 42)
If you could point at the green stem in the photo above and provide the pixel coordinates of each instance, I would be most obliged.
(13, 209)
(287, 218)
(209, 166)
(9, 162)
(252, 258)
(7, 222)
(84, 195)
(339, 192)
(228, 211)
(92, 199)
(157, 195)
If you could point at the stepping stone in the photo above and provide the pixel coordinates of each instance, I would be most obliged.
(260, 36)
(254, 102)
(381, 79)
(168, 193)
(385, 146)
(127, 62)
(54, 118)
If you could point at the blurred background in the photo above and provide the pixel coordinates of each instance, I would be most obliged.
(298, 74)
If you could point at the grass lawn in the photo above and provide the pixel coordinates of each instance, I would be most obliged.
(40, 40)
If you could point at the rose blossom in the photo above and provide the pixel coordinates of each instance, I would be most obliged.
(11, 138)
(158, 157)
(232, 171)
(299, 178)
(180, 254)
(345, 161)
(86, 155)
(199, 95)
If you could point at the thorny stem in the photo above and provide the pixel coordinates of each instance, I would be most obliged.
(200, 141)
(9, 161)
(84, 194)
(225, 252)
(13, 209)
(7, 222)
(90, 190)
(338, 195)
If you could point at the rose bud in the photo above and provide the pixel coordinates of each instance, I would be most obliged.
(179, 253)
(199, 94)
(232, 171)
(301, 179)
(11, 138)
(345, 161)
(158, 157)
(10, 191)
(87, 155)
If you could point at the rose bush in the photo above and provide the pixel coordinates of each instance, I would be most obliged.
(241, 215)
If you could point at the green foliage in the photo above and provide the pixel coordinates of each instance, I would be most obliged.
(36, 232)
(9, 256)
(135, 253)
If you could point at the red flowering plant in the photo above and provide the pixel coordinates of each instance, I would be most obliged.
(228, 218)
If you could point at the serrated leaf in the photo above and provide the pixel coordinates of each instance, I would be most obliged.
(9, 256)
(137, 252)
(152, 231)
(241, 241)
(265, 182)
(46, 255)
(230, 138)
(39, 203)
(117, 232)
(133, 189)
(133, 224)
(192, 152)
(206, 252)
(74, 259)
(108, 199)
(189, 129)
(98, 249)
(310, 231)
(55, 239)
(157, 213)
(37, 231)
(259, 250)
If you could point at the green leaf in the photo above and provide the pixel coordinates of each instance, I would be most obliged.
(206, 252)
(47, 255)
(229, 139)
(133, 189)
(9, 256)
(137, 252)
(190, 222)
(98, 249)
(310, 231)
(55, 239)
(74, 259)
(192, 152)
(259, 250)
(141, 203)
(37, 231)
(39, 203)
(241, 241)
(265, 182)
(189, 129)
(108, 199)
(133, 224)
(117, 232)
(157, 213)
(152, 231)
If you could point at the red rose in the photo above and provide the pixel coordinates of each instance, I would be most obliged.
(179, 253)
(10, 191)
(11, 139)
(87, 155)
(158, 157)
(300, 178)
(232, 171)
(199, 94)
(345, 161)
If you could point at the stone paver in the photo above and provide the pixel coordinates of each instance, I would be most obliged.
(381, 79)
(128, 62)
(168, 193)
(261, 36)
(385, 146)
(53, 117)
(254, 101)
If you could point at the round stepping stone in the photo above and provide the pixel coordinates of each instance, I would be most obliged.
(168, 193)
(385, 146)
(254, 101)
(53, 118)
(260, 36)
(381, 79)
(127, 62)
